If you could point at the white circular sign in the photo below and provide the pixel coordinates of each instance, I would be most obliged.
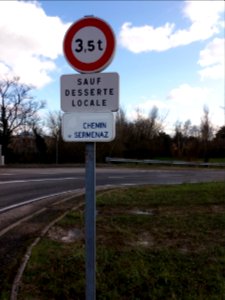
(86, 49)
(89, 45)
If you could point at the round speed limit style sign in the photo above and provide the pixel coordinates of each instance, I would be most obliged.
(89, 45)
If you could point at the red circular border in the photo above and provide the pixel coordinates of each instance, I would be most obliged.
(104, 60)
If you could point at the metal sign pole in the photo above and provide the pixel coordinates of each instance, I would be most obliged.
(91, 54)
(90, 221)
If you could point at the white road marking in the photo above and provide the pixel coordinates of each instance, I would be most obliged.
(7, 174)
(36, 199)
(40, 180)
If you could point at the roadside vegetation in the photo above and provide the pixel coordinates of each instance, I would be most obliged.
(29, 137)
(153, 242)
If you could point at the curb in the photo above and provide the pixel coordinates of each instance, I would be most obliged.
(17, 280)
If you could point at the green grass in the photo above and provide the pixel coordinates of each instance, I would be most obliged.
(164, 242)
(217, 160)
(182, 195)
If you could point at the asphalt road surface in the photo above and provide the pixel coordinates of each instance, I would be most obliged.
(21, 185)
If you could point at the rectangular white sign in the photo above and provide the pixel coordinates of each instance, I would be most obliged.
(98, 92)
(88, 127)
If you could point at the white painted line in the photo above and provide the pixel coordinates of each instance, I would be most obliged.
(98, 188)
(6, 174)
(40, 180)
(33, 200)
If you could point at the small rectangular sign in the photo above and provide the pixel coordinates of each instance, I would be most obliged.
(88, 127)
(97, 92)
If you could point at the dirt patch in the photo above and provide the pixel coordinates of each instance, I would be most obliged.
(137, 211)
(145, 239)
(183, 211)
(71, 235)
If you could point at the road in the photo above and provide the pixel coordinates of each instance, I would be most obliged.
(20, 185)
(19, 227)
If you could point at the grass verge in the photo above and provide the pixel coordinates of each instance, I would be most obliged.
(153, 242)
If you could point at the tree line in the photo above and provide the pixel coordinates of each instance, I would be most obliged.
(26, 138)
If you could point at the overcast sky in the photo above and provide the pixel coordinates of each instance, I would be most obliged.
(170, 54)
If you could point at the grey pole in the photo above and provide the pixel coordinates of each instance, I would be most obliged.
(0, 155)
(90, 221)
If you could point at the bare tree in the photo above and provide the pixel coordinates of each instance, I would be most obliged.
(17, 109)
(54, 124)
(186, 140)
(117, 147)
(206, 130)
(144, 132)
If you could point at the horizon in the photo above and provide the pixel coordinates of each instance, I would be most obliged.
(169, 54)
